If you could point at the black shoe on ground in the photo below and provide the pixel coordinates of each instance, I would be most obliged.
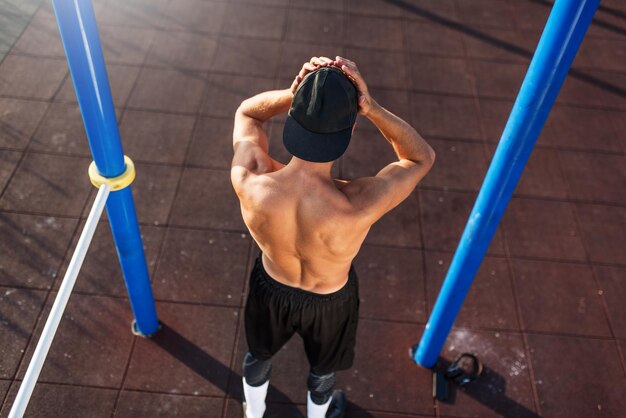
(338, 405)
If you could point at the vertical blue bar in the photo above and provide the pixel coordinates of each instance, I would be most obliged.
(557, 48)
(79, 34)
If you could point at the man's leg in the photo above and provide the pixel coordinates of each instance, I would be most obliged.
(319, 394)
(256, 380)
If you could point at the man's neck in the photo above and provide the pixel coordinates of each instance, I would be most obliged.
(321, 170)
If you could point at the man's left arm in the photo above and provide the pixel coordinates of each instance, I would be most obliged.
(250, 142)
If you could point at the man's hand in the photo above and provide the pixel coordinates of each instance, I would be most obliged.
(315, 63)
(351, 70)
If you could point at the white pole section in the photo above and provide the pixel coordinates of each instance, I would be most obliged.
(36, 363)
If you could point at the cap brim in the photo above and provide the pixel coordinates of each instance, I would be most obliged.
(314, 147)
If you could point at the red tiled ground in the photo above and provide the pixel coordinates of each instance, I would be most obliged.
(546, 311)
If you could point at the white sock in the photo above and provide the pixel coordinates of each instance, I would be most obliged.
(314, 410)
(255, 399)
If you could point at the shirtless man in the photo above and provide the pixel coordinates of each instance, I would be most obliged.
(310, 226)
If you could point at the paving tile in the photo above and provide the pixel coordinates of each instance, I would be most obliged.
(149, 405)
(503, 44)
(226, 92)
(13, 25)
(138, 13)
(432, 38)
(182, 50)
(504, 389)
(559, 298)
(445, 116)
(258, 57)
(382, 33)
(441, 11)
(154, 191)
(31, 77)
(125, 45)
(19, 309)
(35, 247)
(8, 162)
(594, 176)
(121, 80)
(18, 121)
(21, 7)
(612, 282)
(384, 377)
(212, 143)
(498, 79)
(400, 227)
(529, 15)
(400, 273)
(618, 122)
(41, 38)
(374, 8)
(494, 115)
(4, 387)
(91, 345)
(490, 302)
(315, 25)
(444, 215)
(602, 54)
(603, 231)
(261, 21)
(441, 75)
(62, 401)
(101, 273)
(186, 356)
(156, 137)
(295, 54)
(606, 397)
(48, 184)
(181, 93)
(193, 259)
(192, 15)
(459, 165)
(543, 176)
(206, 199)
(368, 153)
(267, 2)
(565, 128)
(385, 69)
(542, 228)
(606, 25)
(62, 131)
(487, 13)
(594, 88)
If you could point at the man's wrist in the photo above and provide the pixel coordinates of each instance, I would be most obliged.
(374, 109)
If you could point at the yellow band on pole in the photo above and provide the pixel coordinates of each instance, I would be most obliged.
(115, 183)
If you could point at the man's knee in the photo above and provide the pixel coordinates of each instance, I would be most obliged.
(256, 372)
(321, 387)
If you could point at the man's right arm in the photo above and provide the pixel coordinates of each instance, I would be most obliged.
(395, 182)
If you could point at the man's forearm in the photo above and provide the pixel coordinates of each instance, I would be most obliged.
(406, 142)
(265, 105)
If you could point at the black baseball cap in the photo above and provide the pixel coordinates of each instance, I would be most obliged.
(322, 114)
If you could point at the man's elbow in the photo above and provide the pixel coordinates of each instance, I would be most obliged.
(431, 156)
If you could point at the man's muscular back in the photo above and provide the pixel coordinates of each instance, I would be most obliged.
(308, 229)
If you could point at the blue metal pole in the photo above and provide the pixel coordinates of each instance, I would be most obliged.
(557, 48)
(79, 34)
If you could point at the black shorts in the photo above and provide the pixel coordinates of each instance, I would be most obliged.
(326, 322)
